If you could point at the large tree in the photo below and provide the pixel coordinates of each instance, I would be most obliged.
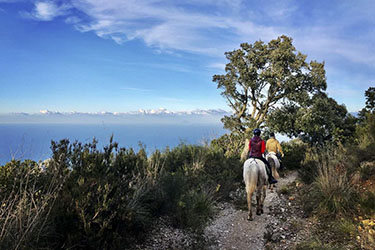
(260, 76)
(317, 121)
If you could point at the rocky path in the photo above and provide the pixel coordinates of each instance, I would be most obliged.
(232, 230)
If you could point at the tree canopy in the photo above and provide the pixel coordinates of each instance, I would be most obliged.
(370, 104)
(319, 120)
(260, 76)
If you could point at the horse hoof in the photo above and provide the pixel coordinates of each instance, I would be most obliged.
(259, 212)
(250, 218)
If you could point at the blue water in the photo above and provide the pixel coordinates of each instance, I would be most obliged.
(33, 141)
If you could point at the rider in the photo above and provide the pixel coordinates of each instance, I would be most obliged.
(273, 145)
(256, 149)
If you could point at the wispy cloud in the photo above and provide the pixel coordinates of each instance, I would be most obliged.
(48, 10)
(219, 66)
(210, 27)
(136, 89)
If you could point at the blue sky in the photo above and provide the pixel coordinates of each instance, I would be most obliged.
(91, 56)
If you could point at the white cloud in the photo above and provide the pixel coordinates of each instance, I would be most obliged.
(209, 27)
(168, 25)
(212, 27)
(73, 20)
(139, 112)
(48, 10)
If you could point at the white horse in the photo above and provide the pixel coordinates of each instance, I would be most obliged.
(275, 165)
(255, 177)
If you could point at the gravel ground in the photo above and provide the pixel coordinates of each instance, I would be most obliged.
(275, 229)
(232, 230)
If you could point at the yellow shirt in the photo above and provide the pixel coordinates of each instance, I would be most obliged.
(273, 145)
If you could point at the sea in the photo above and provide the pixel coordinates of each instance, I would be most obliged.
(33, 141)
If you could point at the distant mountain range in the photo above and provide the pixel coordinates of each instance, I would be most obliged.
(159, 116)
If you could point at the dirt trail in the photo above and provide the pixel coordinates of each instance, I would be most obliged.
(232, 230)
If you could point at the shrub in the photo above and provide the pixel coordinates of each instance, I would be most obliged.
(333, 191)
(309, 167)
(367, 170)
(194, 209)
(368, 202)
(344, 229)
(108, 198)
(26, 205)
(294, 153)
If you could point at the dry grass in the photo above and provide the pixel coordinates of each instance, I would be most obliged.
(25, 211)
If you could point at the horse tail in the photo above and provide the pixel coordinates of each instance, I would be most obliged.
(272, 163)
(250, 175)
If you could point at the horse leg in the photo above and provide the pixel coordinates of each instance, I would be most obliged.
(264, 189)
(250, 214)
(273, 170)
(259, 201)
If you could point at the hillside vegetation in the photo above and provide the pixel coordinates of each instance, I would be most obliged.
(89, 198)
(86, 198)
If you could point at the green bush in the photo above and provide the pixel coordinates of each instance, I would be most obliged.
(309, 166)
(368, 202)
(108, 198)
(367, 170)
(333, 191)
(344, 229)
(294, 153)
(194, 209)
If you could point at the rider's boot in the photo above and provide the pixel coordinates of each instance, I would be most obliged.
(271, 180)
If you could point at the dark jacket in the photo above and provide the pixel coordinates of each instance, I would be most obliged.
(256, 146)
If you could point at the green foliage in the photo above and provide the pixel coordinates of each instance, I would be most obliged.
(309, 169)
(260, 75)
(294, 153)
(194, 209)
(106, 199)
(344, 228)
(332, 192)
(367, 170)
(368, 202)
(231, 144)
(285, 190)
(315, 244)
(319, 121)
(366, 131)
